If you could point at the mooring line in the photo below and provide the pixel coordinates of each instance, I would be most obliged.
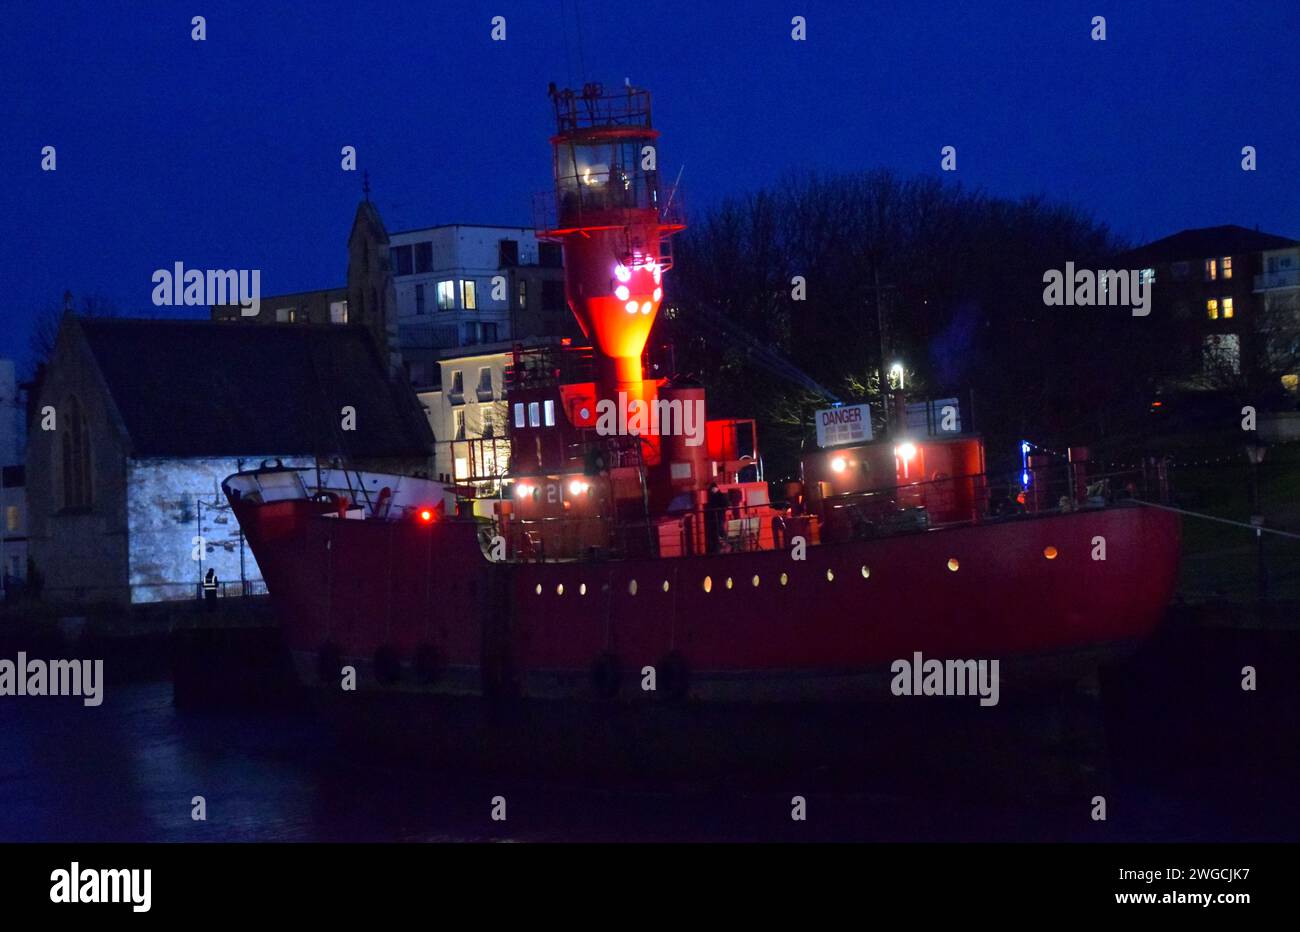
(1197, 514)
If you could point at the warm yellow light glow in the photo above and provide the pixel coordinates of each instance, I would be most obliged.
(906, 451)
(838, 464)
(1050, 553)
(953, 564)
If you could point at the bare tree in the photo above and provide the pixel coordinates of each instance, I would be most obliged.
(45, 328)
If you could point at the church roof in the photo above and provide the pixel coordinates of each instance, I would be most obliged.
(204, 388)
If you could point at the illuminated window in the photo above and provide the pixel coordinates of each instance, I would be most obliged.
(534, 414)
(1211, 269)
(1291, 381)
(461, 468)
(338, 312)
(1227, 308)
(519, 414)
(446, 296)
(1212, 309)
(286, 315)
(1148, 277)
(523, 294)
(467, 294)
(1225, 265)
(489, 421)
(548, 407)
(458, 424)
(11, 518)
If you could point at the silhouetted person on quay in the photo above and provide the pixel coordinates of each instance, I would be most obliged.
(210, 583)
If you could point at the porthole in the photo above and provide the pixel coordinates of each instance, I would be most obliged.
(582, 589)
(866, 571)
(1050, 553)
(754, 582)
(708, 583)
(559, 589)
(784, 579)
(539, 589)
(631, 587)
(665, 585)
(729, 582)
(953, 564)
(830, 574)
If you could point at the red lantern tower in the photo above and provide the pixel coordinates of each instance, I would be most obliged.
(613, 221)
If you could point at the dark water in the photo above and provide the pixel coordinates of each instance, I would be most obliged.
(127, 771)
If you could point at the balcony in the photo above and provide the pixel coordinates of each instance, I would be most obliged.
(1283, 278)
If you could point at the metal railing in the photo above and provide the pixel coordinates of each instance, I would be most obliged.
(1283, 278)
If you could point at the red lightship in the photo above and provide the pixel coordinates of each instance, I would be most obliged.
(608, 553)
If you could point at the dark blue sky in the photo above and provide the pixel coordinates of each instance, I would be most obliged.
(225, 153)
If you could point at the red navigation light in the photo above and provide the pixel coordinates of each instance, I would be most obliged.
(426, 515)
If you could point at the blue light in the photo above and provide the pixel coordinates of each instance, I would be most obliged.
(1024, 478)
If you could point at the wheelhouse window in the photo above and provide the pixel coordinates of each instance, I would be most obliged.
(519, 414)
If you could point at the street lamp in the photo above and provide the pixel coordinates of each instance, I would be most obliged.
(896, 374)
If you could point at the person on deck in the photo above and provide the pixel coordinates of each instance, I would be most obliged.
(715, 511)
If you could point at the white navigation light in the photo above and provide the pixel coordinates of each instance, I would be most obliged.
(838, 464)
(646, 308)
(621, 292)
(631, 307)
(622, 272)
(906, 452)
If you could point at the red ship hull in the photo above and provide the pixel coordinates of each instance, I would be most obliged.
(747, 626)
